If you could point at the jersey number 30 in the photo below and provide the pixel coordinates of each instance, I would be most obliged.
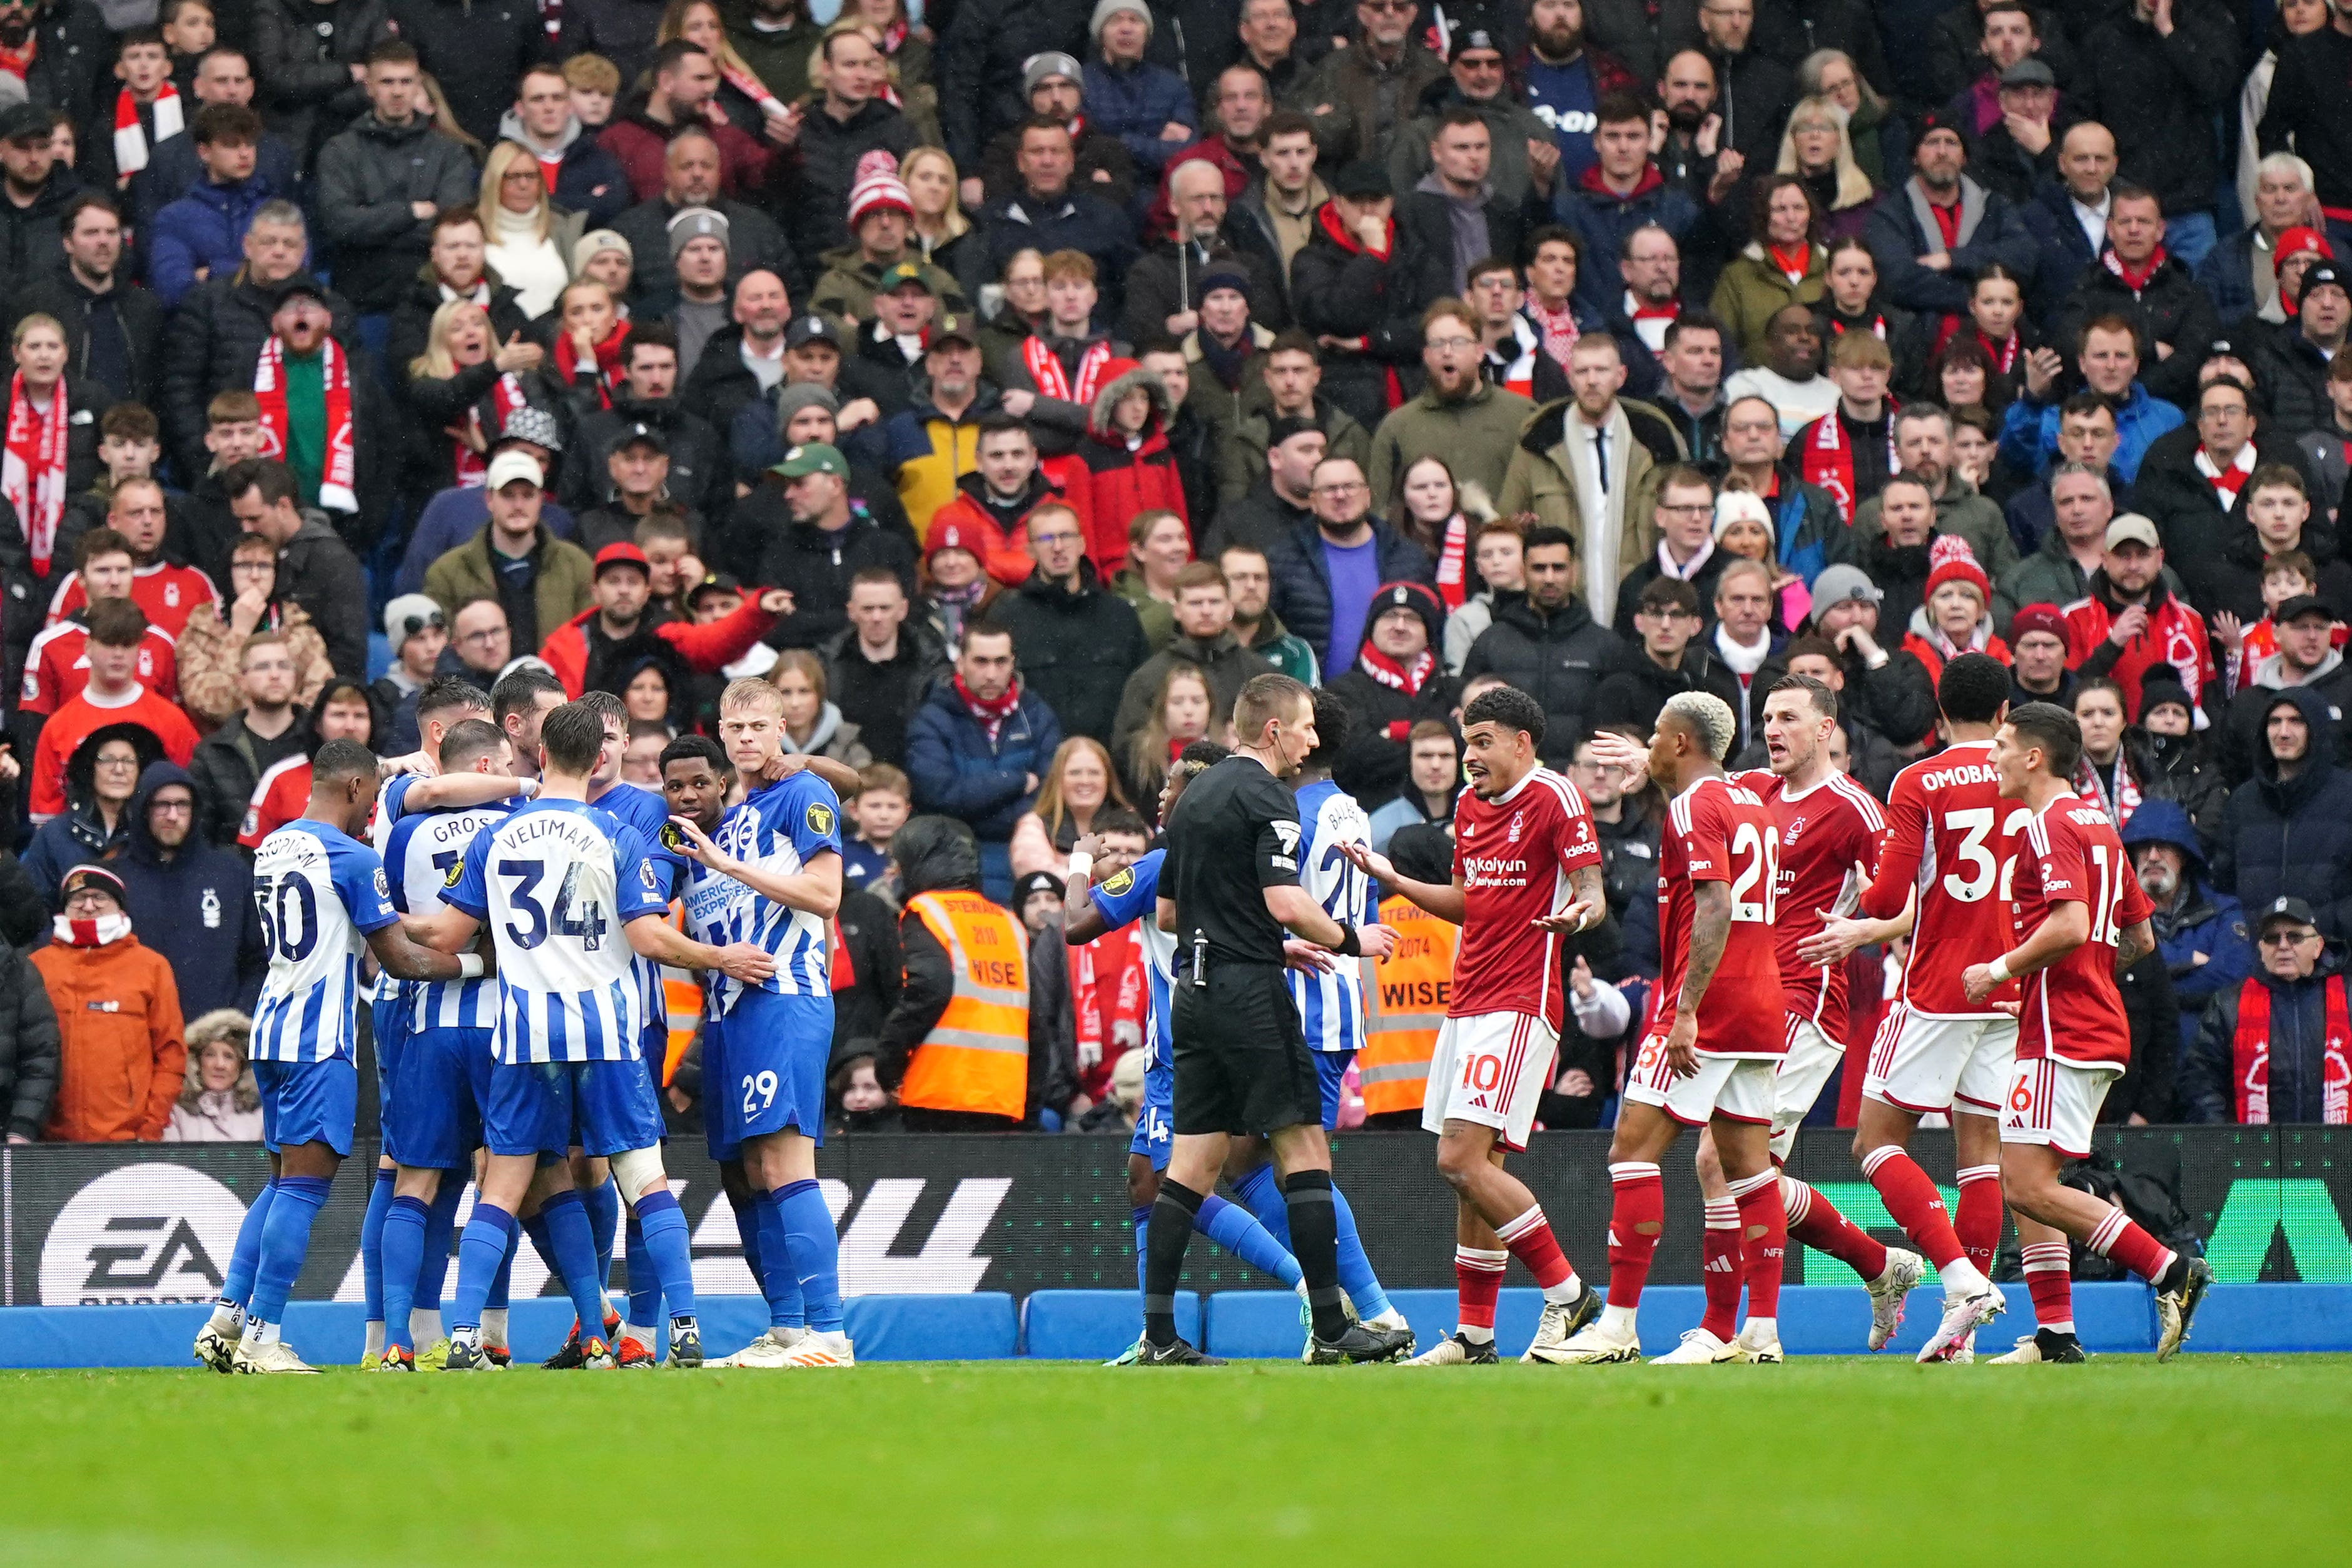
(290, 915)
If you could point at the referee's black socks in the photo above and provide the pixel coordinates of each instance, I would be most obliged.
(1315, 1242)
(1170, 1232)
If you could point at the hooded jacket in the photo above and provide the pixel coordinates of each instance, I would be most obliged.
(640, 144)
(2240, 725)
(2291, 837)
(121, 1052)
(2203, 934)
(1561, 659)
(368, 179)
(196, 907)
(588, 181)
(1127, 475)
(1077, 648)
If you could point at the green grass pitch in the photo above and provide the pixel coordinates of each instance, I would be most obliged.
(2208, 1460)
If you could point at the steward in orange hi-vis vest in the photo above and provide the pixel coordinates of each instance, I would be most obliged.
(1405, 996)
(976, 1057)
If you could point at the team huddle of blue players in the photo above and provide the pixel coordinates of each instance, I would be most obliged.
(516, 900)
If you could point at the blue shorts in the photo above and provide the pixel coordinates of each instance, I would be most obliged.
(388, 1015)
(777, 1048)
(433, 1117)
(717, 1120)
(1331, 1067)
(545, 1107)
(1154, 1137)
(307, 1103)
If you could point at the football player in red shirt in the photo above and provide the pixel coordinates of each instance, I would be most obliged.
(1717, 1030)
(1526, 872)
(2081, 920)
(1943, 878)
(1831, 830)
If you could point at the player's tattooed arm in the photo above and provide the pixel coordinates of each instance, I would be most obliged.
(1710, 930)
(1444, 900)
(2136, 942)
(404, 959)
(652, 936)
(1588, 905)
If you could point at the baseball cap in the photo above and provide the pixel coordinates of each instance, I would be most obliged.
(649, 434)
(817, 457)
(2300, 606)
(408, 615)
(24, 122)
(2045, 618)
(696, 223)
(717, 582)
(2028, 73)
(621, 552)
(2294, 909)
(509, 466)
(1838, 584)
(2133, 529)
(808, 327)
(959, 328)
(905, 272)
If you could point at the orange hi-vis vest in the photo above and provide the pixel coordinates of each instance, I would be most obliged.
(976, 1057)
(681, 1004)
(1405, 996)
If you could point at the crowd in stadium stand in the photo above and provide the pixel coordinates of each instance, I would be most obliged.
(1067, 363)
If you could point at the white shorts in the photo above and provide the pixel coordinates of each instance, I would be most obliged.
(1491, 1070)
(1924, 1064)
(1736, 1088)
(2055, 1103)
(1810, 1057)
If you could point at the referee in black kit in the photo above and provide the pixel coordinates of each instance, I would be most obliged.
(1227, 890)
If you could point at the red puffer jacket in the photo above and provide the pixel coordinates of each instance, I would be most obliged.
(1127, 474)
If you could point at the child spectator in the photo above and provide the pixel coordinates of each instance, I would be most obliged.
(595, 82)
(880, 809)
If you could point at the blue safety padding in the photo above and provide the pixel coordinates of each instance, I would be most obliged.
(2251, 1318)
(1095, 1325)
(982, 1326)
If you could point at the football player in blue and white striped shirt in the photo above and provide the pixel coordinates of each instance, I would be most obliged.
(433, 1102)
(323, 899)
(783, 845)
(572, 897)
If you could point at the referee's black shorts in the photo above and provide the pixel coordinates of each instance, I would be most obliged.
(1241, 1059)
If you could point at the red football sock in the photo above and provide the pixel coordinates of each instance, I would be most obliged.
(1478, 1281)
(2047, 1280)
(2127, 1244)
(1978, 1224)
(1912, 1198)
(1637, 1214)
(1530, 1239)
(1718, 1252)
(1814, 1221)
(1763, 1242)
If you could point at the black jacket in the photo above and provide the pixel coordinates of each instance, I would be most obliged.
(31, 237)
(829, 151)
(1165, 281)
(412, 320)
(196, 907)
(753, 240)
(816, 567)
(303, 52)
(2170, 309)
(317, 572)
(368, 179)
(2298, 1048)
(210, 346)
(1341, 290)
(1076, 220)
(2159, 95)
(880, 699)
(476, 51)
(1562, 660)
(1302, 580)
(29, 1046)
(2170, 492)
(1076, 650)
(73, 59)
(2292, 838)
(980, 60)
(623, 31)
(1636, 692)
(141, 315)
(722, 384)
(2230, 576)
(222, 772)
(701, 477)
(2293, 375)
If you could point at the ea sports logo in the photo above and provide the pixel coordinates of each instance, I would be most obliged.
(144, 1233)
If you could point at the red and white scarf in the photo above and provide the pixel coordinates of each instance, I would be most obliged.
(2251, 1055)
(742, 80)
(2090, 783)
(1558, 326)
(339, 476)
(1827, 461)
(98, 933)
(131, 138)
(2134, 277)
(989, 714)
(18, 63)
(1450, 551)
(1792, 265)
(1046, 369)
(1406, 679)
(2228, 482)
(33, 473)
(608, 362)
(473, 466)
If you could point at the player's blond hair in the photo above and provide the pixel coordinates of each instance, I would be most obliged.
(1709, 717)
(751, 691)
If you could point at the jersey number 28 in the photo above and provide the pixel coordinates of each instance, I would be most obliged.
(1755, 881)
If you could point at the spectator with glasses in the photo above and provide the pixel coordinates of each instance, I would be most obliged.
(481, 639)
(122, 1053)
(1459, 416)
(101, 777)
(2273, 1049)
(211, 645)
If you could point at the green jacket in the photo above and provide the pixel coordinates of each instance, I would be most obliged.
(1960, 511)
(1287, 654)
(1751, 288)
(1158, 620)
(566, 583)
(1475, 436)
(1241, 461)
(846, 291)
